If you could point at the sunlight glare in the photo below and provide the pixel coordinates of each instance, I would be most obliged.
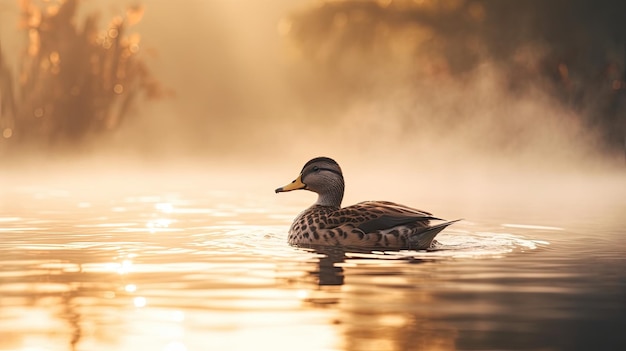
(165, 207)
(302, 294)
(156, 224)
(124, 267)
(140, 301)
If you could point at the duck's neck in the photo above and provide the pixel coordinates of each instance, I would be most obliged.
(332, 195)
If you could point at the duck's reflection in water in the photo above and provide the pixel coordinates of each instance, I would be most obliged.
(330, 271)
(381, 303)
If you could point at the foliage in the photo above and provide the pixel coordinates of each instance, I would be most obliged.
(573, 50)
(74, 82)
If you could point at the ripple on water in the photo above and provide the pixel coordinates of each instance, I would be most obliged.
(185, 272)
(459, 243)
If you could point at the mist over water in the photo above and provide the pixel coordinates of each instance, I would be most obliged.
(261, 81)
(261, 88)
(505, 114)
(269, 92)
(448, 100)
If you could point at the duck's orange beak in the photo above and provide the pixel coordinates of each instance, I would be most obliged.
(295, 185)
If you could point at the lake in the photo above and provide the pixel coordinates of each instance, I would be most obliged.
(142, 264)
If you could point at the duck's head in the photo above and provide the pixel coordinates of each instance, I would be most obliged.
(321, 175)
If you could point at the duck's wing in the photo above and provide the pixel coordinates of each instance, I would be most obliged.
(373, 216)
(390, 207)
(366, 225)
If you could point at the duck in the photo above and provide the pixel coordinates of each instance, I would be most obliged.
(368, 225)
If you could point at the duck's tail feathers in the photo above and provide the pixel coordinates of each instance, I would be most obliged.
(423, 237)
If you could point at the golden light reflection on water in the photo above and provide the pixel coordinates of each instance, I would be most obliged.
(132, 281)
(184, 271)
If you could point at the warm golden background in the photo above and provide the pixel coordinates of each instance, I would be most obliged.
(533, 82)
(141, 143)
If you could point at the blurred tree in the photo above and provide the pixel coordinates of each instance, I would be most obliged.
(573, 49)
(74, 82)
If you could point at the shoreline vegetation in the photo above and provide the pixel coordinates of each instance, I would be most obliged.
(73, 82)
(492, 74)
(571, 52)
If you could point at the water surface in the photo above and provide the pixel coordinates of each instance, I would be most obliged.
(184, 267)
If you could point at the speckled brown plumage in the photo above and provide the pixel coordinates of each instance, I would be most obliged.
(366, 225)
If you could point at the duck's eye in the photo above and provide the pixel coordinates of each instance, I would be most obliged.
(315, 168)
